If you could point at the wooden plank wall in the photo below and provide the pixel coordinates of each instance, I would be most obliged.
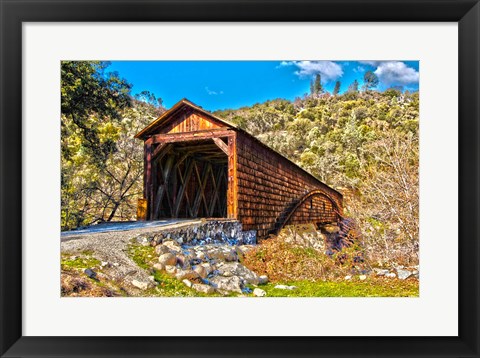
(318, 209)
(268, 183)
(189, 122)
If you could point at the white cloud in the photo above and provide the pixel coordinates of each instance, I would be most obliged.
(395, 72)
(359, 69)
(213, 93)
(329, 70)
(371, 63)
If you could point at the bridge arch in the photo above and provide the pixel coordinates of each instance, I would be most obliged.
(315, 206)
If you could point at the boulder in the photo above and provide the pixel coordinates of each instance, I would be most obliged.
(259, 292)
(183, 261)
(209, 268)
(203, 288)
(159, 267)
(403, 274)
(186, 274)
(187, 283)
(158, 238)
(380, 272)
(221, 253)
(167, 259)
(172, 270)
(173, 246)
(285, 287)
(144, 240)
(305, 236)
(233, 283)
(262, 280)
(161, 249)
(362, 277)
(229, 269)
(90, 273)
(201, 271)
(140, 285)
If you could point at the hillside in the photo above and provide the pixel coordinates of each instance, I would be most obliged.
(366, 145)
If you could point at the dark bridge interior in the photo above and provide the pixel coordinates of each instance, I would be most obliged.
(190, 180)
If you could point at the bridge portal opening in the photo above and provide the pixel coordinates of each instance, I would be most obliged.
(189, 180)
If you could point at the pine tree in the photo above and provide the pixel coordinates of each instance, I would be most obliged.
(317, 86)
(370, 80)
(353, 88)
(336, 90)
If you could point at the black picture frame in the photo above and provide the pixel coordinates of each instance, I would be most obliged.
(15, 12)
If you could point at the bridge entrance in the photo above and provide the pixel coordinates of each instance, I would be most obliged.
(189, 180)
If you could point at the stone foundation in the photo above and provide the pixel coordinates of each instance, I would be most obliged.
(209, 232)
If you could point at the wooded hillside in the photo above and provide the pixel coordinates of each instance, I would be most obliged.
(364, 143)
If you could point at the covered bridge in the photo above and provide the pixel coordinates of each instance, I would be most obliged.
(198, 165)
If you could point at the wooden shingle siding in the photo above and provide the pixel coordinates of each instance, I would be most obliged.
(318, 209)
(268, 184)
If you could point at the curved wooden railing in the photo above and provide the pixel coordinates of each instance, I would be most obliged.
(290, 210)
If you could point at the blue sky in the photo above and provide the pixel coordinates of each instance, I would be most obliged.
(233, 84)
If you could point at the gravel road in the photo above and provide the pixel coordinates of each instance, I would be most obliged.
(111, 247)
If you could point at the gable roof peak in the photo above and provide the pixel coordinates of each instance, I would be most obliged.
(183, 103)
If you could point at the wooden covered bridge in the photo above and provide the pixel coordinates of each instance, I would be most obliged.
(198, 165)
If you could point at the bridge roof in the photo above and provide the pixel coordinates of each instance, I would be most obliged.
(183, 103)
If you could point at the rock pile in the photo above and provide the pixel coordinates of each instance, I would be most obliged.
(206, 258)
(340, 235)
(328, 238)
(401, 272)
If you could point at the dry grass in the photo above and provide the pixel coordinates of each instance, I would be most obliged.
(282, 261)
(73, 285)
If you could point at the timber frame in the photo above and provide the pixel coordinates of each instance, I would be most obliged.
(199, 165)
(167, 174)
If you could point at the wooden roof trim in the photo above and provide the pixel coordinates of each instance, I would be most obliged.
(168, 114)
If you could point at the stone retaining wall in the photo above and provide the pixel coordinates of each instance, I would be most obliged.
(210, 232)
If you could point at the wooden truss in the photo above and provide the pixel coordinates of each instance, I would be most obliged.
(191, 175)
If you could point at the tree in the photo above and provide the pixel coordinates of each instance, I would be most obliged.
(353, 88)
(120, 183)
(100, 163)
(316, 86)
(336, 90)
(370, 80)
(90, 96)
(94, 194)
